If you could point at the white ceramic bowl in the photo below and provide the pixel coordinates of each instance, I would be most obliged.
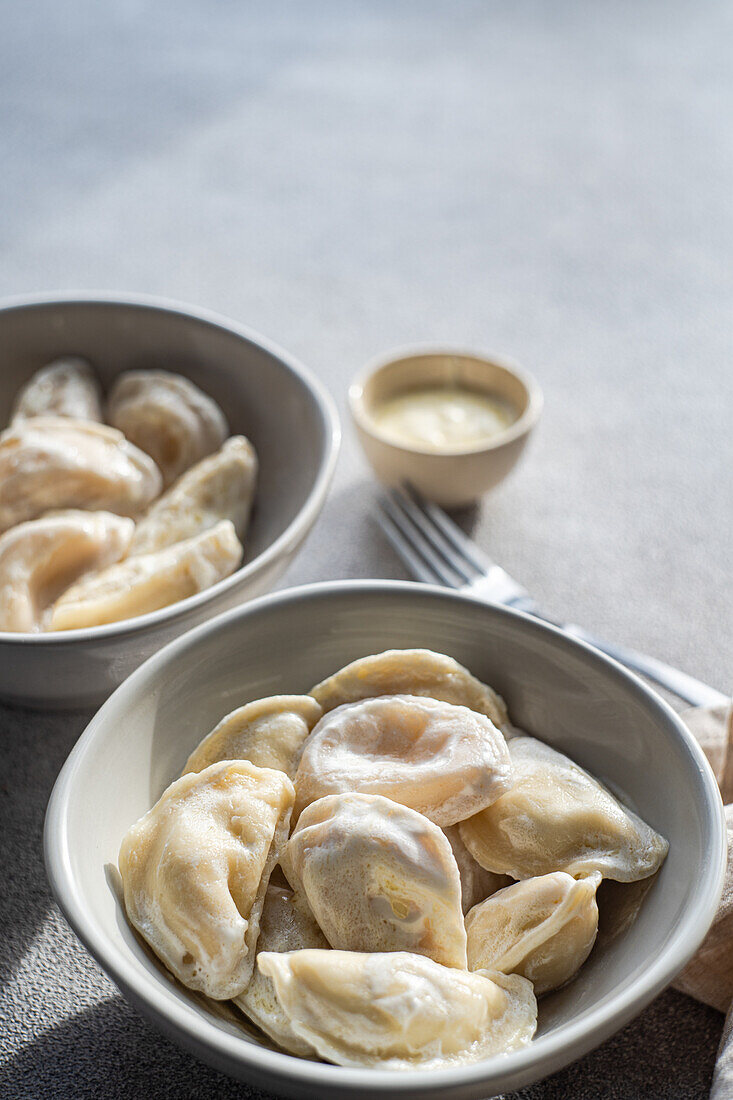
(455, 476)
(266, 395)
(555, 687)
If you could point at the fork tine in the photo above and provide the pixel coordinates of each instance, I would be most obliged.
(455, 558)
(450, 529)
(420, 545)
(414, 564)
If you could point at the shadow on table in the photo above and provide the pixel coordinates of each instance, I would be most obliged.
(108, 1051)
(667, 1052)
(348, 542)
(35, 745)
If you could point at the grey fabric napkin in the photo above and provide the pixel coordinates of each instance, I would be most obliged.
(709, 975)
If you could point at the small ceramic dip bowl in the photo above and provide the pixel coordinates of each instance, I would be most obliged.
(445, 469)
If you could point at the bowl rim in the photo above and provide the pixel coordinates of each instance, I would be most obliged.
(543, 1055)
(524, 423)
(289, 538)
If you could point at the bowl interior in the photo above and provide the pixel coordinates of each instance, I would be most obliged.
(424, 369)
(555, 688)
(261, 395)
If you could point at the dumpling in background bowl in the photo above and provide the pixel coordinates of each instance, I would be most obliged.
(40, 559)
(219, 487)
(66, 387)
(168, 417)
(149, 582)
(50, 463)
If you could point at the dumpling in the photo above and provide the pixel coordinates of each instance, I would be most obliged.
(557, 817)
(410, 672)
(476, 883)
(218, 487)
(195, 869)
(66, 387)
(41, 558)
(445, 761)
(542, 928)
(168, 417)
(378, 877)
(286, 924)
(54, 462)
(145, 583)
(269, 732)
(397, 1010)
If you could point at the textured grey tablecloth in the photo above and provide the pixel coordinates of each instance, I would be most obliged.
(547, 179)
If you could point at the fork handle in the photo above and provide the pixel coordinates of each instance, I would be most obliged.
(692, 691)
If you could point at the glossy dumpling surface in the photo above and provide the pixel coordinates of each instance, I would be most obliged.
(410, 672)
(147, 582)
(41, 558)
(378, 877)
(55, 462)
(443, 760)
(398, 1010)
(286, 924)
(168, 417)
(557, 817)
(542, 928)
(220, 486)
(476, 882)
(66, 387)
(269, 732)
(195, 869)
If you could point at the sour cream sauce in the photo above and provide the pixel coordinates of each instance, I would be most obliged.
(443, 418)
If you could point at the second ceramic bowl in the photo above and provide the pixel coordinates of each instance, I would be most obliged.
(554, 686)
(266, 395)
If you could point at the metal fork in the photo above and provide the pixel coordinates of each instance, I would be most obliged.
(436, 551)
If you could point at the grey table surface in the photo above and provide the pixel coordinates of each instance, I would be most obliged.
(547, 180)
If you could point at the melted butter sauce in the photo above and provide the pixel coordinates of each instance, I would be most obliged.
(443, 418)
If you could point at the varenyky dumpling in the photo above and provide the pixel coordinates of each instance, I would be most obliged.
(476, 882)
(398, 1010)
(557, 817)
(41, 558)
(410, 672)
(542, 928)
(66, 387)
(443, 760)
(218, 487)
(269, 732)
(168, 417)
(147, 582)
(286, 924)
(378, 877)
(195, 869)
(53, 462)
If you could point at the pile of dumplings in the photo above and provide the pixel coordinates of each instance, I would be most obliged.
(101, 522)
(383, 872)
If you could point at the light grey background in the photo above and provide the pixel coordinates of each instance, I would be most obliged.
(547, 180)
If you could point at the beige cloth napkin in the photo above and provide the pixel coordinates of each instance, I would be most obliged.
(709, 975)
